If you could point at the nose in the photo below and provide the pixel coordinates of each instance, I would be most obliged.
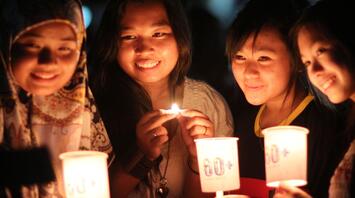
(251, 70)
(143, 45)
(46, 56)
(315, 69)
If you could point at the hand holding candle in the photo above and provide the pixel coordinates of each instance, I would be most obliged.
(194, 124)
(151, 134)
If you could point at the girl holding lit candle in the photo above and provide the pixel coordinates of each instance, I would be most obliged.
(325, 43)
(269, 75)
(141, 57)
(46, 101)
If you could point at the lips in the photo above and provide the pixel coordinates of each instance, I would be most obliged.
(43, 77)
(147, 63)
(252, 86)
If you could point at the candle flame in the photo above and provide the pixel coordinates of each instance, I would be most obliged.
(175, 108)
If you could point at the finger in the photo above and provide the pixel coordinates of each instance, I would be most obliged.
(193, 113)
(159, 140)
(148, 116)
(157, 121)
(198, 130)
(198, 121)
(159, 131)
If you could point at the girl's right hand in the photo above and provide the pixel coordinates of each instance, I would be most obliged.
(151, 134)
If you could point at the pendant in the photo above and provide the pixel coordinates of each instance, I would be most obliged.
(163, 190)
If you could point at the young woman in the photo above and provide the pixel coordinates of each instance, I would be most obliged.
(140, 60)
(269, 75)
(327, 49)
(46, 101)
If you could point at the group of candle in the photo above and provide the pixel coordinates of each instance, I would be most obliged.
(85, 172)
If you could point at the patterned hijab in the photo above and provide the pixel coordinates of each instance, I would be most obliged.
(63, 121)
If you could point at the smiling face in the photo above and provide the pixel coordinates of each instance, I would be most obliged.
(325, 68)
(147, 49)
(262, 67)
(44, 58)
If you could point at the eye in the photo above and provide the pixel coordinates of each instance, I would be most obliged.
(30, 46)
(264, 59)
(320, 51)
(239, 58)
(65, 50)
(159, 34)
(127, 37)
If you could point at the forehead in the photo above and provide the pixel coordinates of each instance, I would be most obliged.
(267, 38)
(144, 13)
(50, 29)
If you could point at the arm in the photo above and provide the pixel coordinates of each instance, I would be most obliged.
(194, 124)
(150, 136)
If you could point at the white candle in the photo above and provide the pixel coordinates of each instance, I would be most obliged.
(85, 174)
(218, 164)
(285, 155)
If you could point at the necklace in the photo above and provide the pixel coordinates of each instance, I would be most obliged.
(163, 189)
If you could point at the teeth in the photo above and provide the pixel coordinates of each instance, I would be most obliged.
(327, 83)
(147, 63)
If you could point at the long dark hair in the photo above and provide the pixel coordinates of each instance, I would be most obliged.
(121, 100)
(258, 14)
(331, 20)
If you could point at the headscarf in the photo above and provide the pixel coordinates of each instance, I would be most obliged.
(63, 121)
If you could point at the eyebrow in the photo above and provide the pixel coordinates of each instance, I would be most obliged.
(264, 49)
(30, 34)
(160, 23)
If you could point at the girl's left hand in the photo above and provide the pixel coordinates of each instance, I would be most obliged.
(194, 124)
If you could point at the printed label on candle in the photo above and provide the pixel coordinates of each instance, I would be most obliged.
(285, 155)
(218, 163)
(85, 174)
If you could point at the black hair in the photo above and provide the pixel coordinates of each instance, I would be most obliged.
(332, 21)
(258, 14)
(120, 99)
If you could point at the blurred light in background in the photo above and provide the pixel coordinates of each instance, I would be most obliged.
(87, 16)
(224, 10)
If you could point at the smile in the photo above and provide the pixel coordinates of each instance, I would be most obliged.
(43, 76)
(326, 84)
(147, 64)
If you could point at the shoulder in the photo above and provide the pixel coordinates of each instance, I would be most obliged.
(201, 96)
(199, 88)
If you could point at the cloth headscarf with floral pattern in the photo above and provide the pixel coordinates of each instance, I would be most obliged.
(66, 120)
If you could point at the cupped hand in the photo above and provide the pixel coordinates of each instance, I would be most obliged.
(151, 134)
(194, 124)
(286, 191)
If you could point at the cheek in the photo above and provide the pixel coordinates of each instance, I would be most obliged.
(123, 57)
(21, 68)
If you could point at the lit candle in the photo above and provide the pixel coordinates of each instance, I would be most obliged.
(218, 164)
(174, 109)
(85, 174)
(285, 155)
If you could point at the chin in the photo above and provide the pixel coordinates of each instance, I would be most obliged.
(41, 92)
(337, 99)
(254, 101)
